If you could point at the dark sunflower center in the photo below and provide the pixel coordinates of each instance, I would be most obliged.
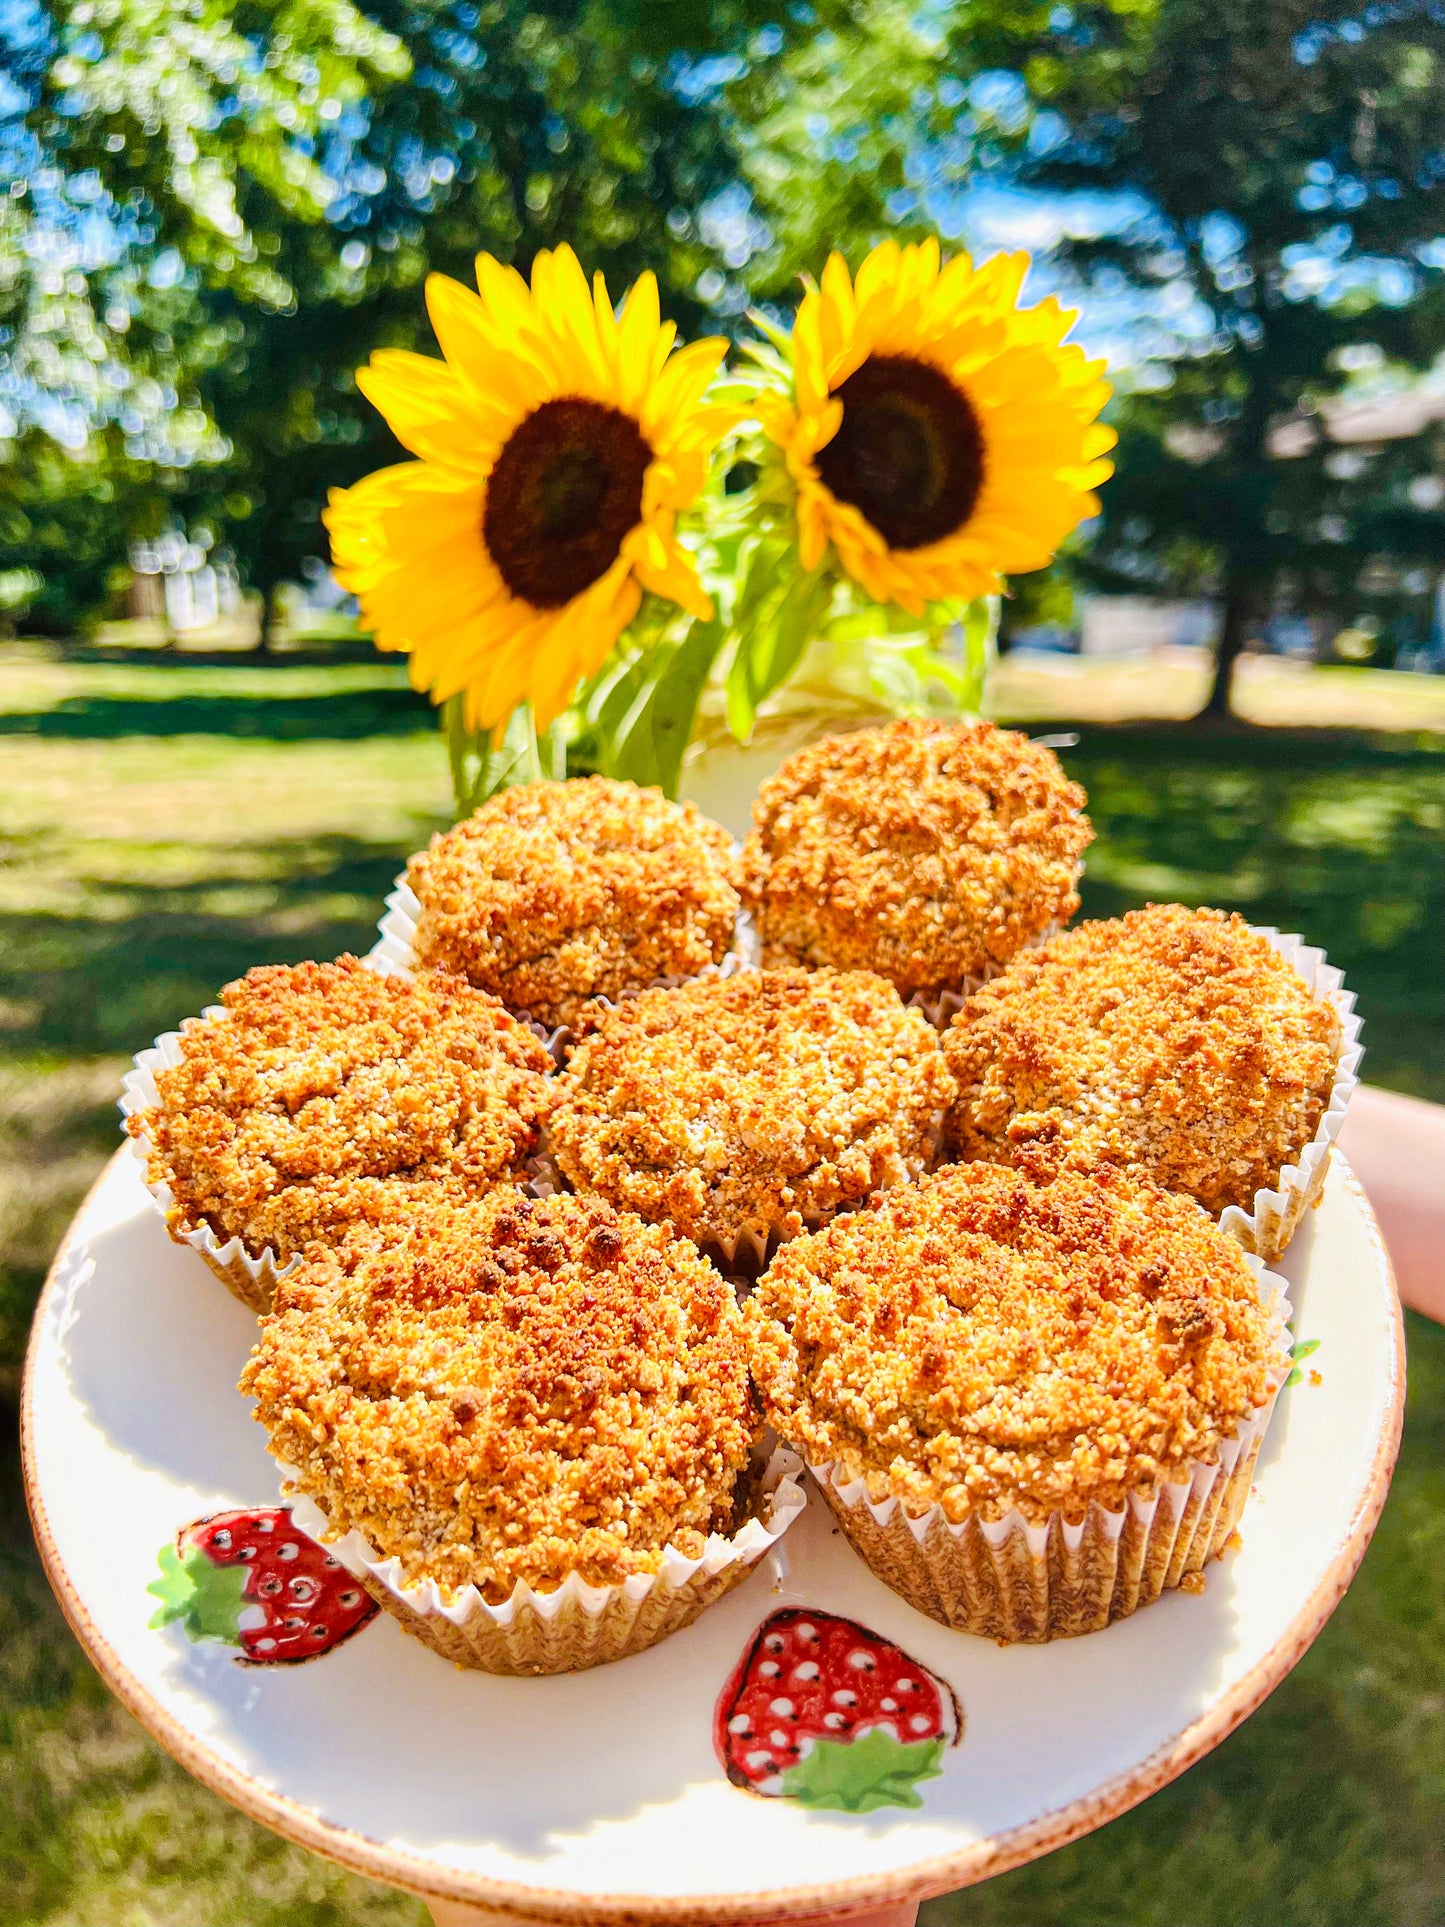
(908, 455)
(565, 490)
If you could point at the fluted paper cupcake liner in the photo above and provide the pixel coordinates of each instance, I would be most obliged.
(940, 1007)
(1274, 1217)
(747, 1250)
(1011, 1580)
(576, 1625)
(251, 1277)
(394, 954)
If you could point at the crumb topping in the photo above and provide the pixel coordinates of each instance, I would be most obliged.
(760, 1100)
(1177, 1042)
(518, 1391)
(986, 1339)
(556, 892)
(924, 850)
(327, 1097)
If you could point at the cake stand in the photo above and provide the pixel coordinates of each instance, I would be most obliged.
(600, 1799)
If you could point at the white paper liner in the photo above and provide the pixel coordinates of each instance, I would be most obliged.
(394, 954)
(1011, 1580)
(1267, 1227)
(252, 1279)
(940, 1007)
(576, 1625)
(747, 1250)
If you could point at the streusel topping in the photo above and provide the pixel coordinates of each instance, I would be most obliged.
(985, 1340)
(925, 850)
(760, 1100)
(556, 892)
(1176, 1042)
(520, 1390)
(325, 1096)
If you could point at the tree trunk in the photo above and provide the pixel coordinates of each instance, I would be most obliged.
(268, 616)
(1232, 637)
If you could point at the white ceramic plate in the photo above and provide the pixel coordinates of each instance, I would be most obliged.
(598, 1797)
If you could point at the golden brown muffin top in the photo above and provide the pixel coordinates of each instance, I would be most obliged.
(985, 1340)
(556, 892)
(522, 1390)
(760, 1100)
(928, 851)
(1176, 1042)
(326, 1096)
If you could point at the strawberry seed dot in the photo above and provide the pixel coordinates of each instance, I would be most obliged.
(741, 1725)
(809, 1670)
(861, 1662)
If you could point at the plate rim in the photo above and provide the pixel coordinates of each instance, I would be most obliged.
(944, 1873)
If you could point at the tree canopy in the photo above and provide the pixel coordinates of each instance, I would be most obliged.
(218, 211)
(1284, 167)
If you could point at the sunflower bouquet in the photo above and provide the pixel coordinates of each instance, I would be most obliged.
(601, 523)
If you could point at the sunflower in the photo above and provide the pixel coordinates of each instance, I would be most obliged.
(558, 441)
(938, 435)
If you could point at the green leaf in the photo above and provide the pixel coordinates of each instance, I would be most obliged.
(1294, 1378)
(859, 1775)
(656, 733)
(778, 614)
(1304, 1348)
(204, 1597)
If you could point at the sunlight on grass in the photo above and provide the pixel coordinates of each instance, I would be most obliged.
(164, 826)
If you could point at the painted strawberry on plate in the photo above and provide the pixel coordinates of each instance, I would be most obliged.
(254, 1580)
(823, 1711)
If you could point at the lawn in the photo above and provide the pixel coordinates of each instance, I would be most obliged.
(162, 826)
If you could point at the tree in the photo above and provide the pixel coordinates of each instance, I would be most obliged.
(263, 200)
(271, 183)
(1287, 169)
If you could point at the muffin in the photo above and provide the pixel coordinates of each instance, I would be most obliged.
(534, 1420)
(556, 892)
(930, 852)
(319, 1099)
(1178, 1043)
(753, 1104)
(1032, 1404)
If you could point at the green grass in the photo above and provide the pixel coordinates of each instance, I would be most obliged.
(165, 825)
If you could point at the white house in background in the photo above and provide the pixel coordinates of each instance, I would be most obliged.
(1136, 625)
(182, 580)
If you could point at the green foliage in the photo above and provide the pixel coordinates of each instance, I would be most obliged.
(1290, 157)
(204, 1597)
(859, 1776)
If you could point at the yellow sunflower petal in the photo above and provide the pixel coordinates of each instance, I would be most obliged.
(662, 566)
(497, 369)
(1033, 398)
(412, 541)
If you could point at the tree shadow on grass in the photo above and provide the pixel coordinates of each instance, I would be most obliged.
(91, 985)
(343, 715)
